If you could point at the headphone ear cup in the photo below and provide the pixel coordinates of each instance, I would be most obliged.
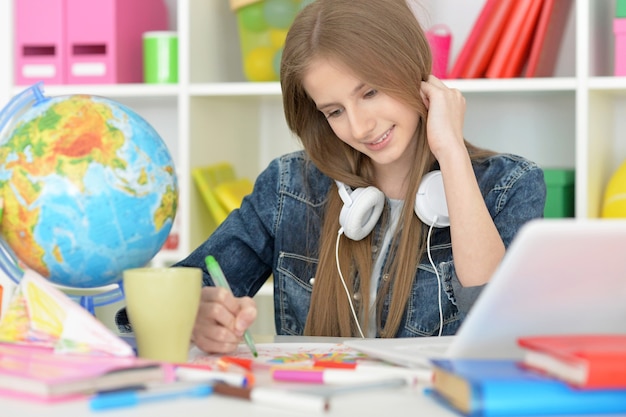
(359, 215)
(430, 201)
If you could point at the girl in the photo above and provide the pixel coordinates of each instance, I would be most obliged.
(373, 122)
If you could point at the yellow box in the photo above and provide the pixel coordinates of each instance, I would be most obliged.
(263, 26)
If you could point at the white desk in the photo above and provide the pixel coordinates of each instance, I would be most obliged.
(396, 402)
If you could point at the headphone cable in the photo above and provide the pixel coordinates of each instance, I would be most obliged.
(430, 258)
(345, 287)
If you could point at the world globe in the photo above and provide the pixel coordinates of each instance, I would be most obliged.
(88, 188)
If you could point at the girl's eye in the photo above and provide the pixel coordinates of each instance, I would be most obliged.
(333, 113)
(371, 93)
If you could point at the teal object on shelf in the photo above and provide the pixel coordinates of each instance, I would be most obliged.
(560, 198)
(620, 8)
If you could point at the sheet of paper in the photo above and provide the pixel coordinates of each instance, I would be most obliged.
(283, 353)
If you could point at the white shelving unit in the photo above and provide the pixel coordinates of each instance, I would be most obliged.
(568, 121)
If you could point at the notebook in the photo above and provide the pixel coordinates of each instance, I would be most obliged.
(558, 276)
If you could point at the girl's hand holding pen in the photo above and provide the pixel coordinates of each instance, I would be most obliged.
(222, 320)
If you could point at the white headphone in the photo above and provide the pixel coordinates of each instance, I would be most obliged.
(362, 207)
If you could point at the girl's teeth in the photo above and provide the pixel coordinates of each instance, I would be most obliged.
(381, 139)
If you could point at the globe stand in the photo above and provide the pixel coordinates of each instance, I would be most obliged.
(90, 298)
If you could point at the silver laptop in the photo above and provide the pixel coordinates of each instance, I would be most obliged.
(558, 276)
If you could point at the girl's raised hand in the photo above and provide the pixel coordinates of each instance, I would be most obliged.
(446, 114)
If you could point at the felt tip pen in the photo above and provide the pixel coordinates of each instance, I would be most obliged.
(414, 375)
(329, 391)
(220, 280)
(275, 397)
(245, 363)
(196, 374)
(231, 367)
(256, 365)
(162, 392)
(335, 376)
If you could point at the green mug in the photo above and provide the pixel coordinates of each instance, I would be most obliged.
(160, 57)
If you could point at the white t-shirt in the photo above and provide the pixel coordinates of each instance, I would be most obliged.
(396, 209)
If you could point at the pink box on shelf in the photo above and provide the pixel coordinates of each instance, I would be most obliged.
(619, 29)
(104, 39)
(39, 46)
(440, 40)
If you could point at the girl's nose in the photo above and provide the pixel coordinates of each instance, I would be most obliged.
(361, 124)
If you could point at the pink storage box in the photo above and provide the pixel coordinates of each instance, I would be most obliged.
(39, 45)
(619, 29)
(104, 39)
(94, 42)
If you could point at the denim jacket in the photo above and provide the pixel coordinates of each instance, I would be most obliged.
(276, 230)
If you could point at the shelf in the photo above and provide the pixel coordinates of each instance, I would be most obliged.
(544, 119)
(512, 85)
(234, 89)
(612, 85)
(111, 90)
(251, 89)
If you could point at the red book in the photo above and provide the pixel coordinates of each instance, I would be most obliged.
(587, 361)
(472, 39)
(548, 36)
(481, 42)
(514, 45)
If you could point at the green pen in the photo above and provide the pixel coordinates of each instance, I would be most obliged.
(220, 280)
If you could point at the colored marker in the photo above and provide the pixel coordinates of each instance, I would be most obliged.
(220, 280)
(197, 374)
(256, 365)
(230, 367)
(245, 363)
(274, 397)
(336, 376)
(413, 375)
(329, 391)
(152, 393)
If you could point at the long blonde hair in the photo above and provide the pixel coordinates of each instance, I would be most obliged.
(383, 43)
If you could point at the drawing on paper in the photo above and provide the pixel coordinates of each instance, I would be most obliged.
(283, 353)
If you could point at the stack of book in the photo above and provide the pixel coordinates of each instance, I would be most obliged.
(559, 375)
(39, 374)
(513, 38)
(52, 349)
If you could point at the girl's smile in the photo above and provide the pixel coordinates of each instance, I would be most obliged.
(381, 143)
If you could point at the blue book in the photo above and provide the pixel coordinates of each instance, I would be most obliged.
(496, 388)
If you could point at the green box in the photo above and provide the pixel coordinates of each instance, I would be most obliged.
(560, 192)
(620, 8)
